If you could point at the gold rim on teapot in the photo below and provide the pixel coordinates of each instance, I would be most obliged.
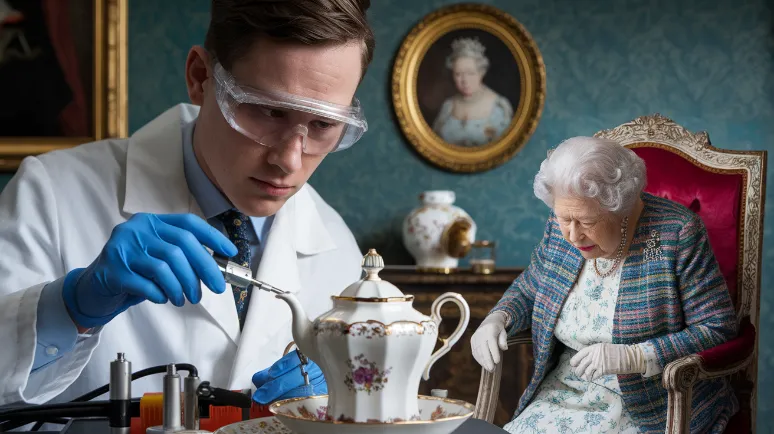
(373, 299)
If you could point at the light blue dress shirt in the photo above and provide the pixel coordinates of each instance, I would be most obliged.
(56, 333)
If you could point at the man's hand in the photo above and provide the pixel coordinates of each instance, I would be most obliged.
(597, 360)
(283, 380)
(152, 257)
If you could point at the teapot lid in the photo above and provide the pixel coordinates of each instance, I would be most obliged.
(372, 286)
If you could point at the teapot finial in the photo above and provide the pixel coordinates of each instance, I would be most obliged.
(372, 265)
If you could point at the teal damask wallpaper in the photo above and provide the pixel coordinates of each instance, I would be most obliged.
(707, 64)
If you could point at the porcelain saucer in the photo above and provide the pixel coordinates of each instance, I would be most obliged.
(308, 416)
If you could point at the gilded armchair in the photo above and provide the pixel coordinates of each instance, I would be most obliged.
(727, 190)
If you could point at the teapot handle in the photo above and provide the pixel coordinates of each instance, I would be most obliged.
(455, 336)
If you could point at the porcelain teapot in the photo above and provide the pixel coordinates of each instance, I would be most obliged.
(373, 346)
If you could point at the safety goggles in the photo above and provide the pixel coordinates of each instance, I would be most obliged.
(273, 118)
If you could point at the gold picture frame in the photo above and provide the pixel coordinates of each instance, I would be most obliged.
(108, 103)
(525, 100)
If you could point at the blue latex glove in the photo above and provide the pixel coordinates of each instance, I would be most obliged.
(283, 380)
(149, 257)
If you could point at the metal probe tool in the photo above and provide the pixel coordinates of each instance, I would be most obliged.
(242, 276)
(120, 395)
(171, 415)
(191, 415)
(304, 362)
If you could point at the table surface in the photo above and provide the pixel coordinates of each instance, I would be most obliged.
(478, 426)
(99, 426)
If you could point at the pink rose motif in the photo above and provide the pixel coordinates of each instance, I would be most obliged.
(364, 376)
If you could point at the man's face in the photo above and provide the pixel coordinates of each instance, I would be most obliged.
(258, 179)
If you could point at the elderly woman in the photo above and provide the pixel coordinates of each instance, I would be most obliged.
(621, 284)
(476, 115)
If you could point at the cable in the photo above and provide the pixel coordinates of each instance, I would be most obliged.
(13, 425)
(56, 420)
(42, 415)
(134, 409)
(87, 407)
(20, 417)
(161, 369)
(43, 409)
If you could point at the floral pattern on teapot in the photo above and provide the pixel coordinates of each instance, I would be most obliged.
(365, 376)
(374, 329)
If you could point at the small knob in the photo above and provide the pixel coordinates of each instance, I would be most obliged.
(372, 264)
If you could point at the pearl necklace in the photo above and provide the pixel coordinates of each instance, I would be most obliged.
(619, 253)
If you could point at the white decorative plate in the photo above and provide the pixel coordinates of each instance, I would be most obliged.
(308, 416)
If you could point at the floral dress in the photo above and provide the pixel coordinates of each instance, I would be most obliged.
(564, 403)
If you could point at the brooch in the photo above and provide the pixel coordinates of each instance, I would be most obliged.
(652, 250)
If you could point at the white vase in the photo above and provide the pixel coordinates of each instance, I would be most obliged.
(431, 231)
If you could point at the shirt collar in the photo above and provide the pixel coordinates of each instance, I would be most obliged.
(211, 201)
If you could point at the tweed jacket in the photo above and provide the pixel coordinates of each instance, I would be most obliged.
(672, 295)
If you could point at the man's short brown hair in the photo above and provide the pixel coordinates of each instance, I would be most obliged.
(235, 25)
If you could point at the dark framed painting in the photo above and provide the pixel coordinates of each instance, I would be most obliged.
(468, 87)
(62, 75)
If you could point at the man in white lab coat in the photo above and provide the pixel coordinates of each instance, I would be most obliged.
(101, 245)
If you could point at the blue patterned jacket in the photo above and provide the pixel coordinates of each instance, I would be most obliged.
(671, 295)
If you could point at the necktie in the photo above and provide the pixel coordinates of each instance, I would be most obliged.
(237, 226)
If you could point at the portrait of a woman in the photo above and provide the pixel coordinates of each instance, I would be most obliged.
(475, 115)
(46, 56)
(622, 283)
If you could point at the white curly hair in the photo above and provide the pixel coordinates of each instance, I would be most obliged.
(468, 47)
(593, 168)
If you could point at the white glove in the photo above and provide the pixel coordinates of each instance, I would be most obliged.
(597, 360)
(489, 339)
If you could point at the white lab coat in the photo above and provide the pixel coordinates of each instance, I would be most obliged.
(59, 210)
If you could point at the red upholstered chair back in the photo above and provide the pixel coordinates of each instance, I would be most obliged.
(727, 189)
(716, 196)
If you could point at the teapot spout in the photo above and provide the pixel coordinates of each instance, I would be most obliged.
(301, 328)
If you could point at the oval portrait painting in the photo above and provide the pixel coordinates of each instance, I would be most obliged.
(468, 87)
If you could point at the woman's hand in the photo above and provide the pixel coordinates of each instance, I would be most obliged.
(597, 360)
(489, 339)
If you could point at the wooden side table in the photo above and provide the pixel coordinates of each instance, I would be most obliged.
(458, 372)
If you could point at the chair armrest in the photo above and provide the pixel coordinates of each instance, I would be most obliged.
(731, 353)
(489, 386)
(721, 361)
(522, 337)
(679, 378)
